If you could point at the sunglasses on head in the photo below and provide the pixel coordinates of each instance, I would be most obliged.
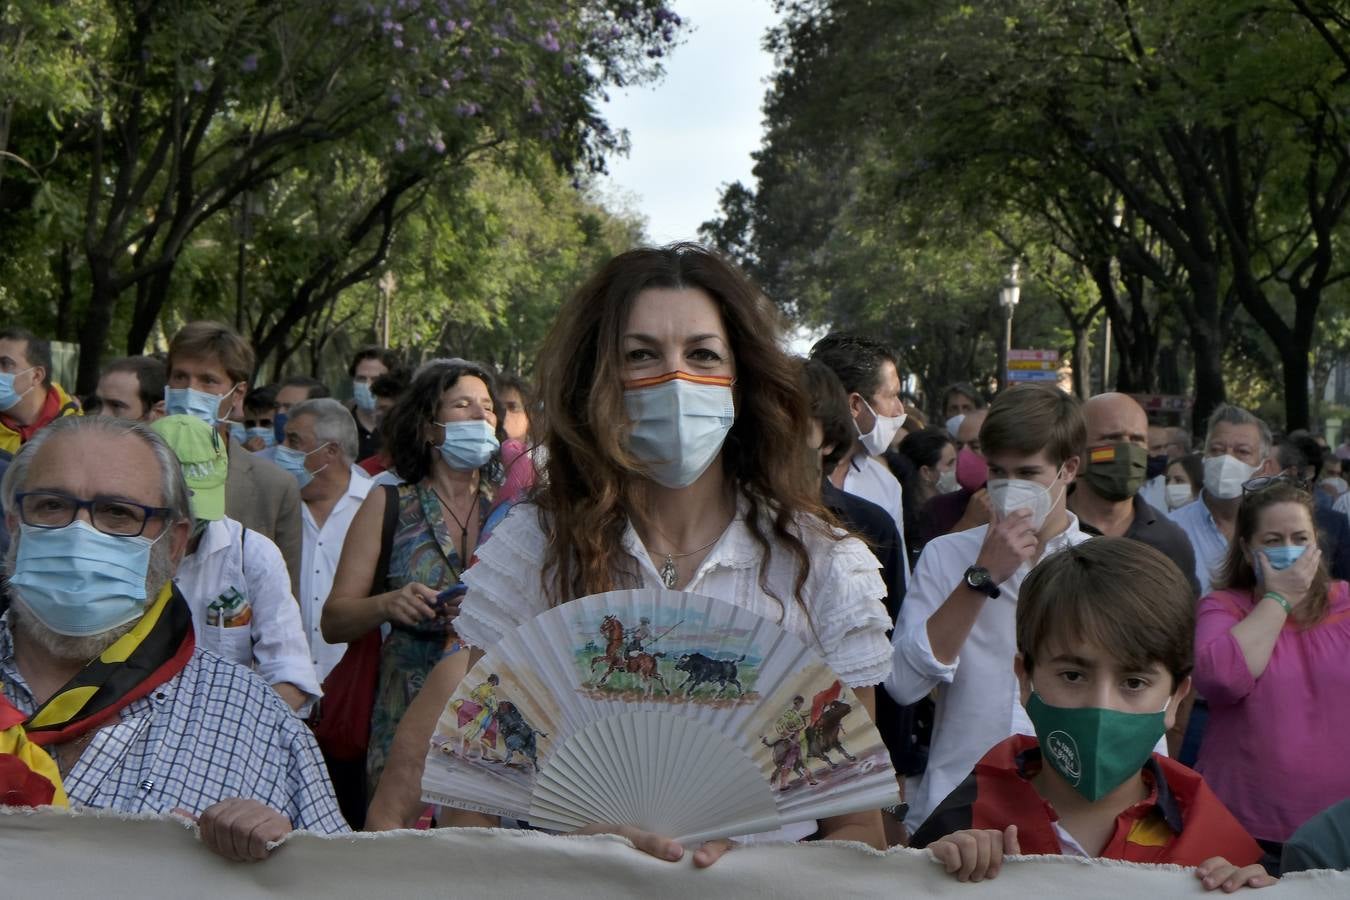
(1256, 485)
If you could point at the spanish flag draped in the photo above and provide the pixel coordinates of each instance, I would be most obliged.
(151, 653)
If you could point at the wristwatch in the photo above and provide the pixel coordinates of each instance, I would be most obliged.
(979, 579)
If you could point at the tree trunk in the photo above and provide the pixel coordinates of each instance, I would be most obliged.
(93, 334)
(1082, 359)
(65, 300)
(1297, 412)
(148, 311)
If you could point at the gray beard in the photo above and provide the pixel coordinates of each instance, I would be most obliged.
(85, 648)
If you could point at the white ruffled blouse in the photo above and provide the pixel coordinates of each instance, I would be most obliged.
(843, 590)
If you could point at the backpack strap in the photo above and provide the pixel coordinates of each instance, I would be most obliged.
(391, 503)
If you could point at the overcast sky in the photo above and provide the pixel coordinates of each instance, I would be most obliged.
(693, 131)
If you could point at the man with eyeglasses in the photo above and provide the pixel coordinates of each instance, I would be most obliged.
(1237, 449)
(107, 701)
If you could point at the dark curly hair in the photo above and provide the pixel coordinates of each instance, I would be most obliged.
(404, 428)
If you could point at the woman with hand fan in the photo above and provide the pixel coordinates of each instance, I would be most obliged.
(674, 424)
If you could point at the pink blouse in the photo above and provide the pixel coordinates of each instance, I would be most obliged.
(1276, 747)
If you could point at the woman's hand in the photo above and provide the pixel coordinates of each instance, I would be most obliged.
(1218, 873)
(661, 846)
(410, 605)
(1292, 583)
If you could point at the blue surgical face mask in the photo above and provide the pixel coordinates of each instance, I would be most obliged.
(293, 461)
(279, 427)
(192, 402)
(238, 433)
(78, 581)
(9, 398)
(679, 424)
(365, 400)
(468, 444)
(1283, 557)
(268, 436)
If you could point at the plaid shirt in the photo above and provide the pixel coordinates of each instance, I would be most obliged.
(213, 732)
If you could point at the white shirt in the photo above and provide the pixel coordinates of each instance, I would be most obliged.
(1209, 543)
(978, 702)
(843, 590)
(319, 557)
(870, 479)
(240, 595)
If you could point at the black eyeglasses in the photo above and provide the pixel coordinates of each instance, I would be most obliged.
(1265, 481)
(54, 509)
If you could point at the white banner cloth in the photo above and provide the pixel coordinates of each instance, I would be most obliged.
(54, 854)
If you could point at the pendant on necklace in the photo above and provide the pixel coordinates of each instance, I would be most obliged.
(669, 576)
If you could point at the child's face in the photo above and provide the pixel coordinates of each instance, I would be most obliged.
(1081, 674)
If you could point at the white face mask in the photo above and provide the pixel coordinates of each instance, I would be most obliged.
(1007, 495)
(1178, 495)
(1225, 475)
(884, 429)
(947, 482)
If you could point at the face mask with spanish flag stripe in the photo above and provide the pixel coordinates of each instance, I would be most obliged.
(678, 423)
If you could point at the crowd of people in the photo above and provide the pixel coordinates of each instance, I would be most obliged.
(251, 603)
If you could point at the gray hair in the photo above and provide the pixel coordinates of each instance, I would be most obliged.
(173, 490)
(1236, 415)
(333, 424)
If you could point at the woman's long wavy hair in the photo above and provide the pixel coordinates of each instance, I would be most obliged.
(593, 484)
(1237, 573)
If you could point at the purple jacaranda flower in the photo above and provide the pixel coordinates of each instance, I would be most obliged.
(197, 85)
(402, 120)
(398, 42)
(496, 52)
(387, 25)
(399, 145)
(466, 51)
(535, 108)
(457, 75)
(395, 98)
(567, 68)
(250, 63)
(339, 20)
(549, 42)
(438, 145)
(468, 108)
(432, 26)
(466, 24)
(445, 84)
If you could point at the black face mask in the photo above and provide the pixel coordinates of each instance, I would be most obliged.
(1116, 471)
(1157, 465)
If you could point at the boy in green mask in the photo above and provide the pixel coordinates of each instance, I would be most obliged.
(1105, 633)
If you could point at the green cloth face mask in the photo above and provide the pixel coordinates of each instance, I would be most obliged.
(1095, 750)
(1117, 471)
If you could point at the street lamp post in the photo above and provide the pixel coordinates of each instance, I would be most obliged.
(1008, 295)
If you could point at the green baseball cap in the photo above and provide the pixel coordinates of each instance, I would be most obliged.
(205, 464)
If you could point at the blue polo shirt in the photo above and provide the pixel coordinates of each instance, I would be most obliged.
(1209, 543)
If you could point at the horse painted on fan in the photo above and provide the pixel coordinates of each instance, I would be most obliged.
(822, 736)
(643, 664)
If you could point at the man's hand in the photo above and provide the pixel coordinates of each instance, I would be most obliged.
(240, 830)
(1007, 545)
(975, 854)
(1218, 873)
(254, 444)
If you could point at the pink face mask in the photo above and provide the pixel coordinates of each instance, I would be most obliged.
(971, 470)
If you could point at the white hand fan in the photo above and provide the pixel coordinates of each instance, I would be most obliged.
(676, 713)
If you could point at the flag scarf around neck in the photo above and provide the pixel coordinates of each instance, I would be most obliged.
(151, 653)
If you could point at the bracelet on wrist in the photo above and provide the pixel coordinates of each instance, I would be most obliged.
(1279, 598)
